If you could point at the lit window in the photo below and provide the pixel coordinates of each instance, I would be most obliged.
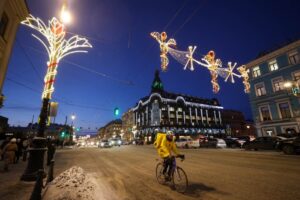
(171, 108)
(284, 110)
(265, 113)
(256, 71)
(260, 89)
(273, 65)
(179, 109)
(293, 58)
(296, 75)
(3, 24)
(277, 84)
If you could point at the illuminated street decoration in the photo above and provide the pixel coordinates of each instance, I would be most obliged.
(56, 45)
(213, 64)
(164, 45)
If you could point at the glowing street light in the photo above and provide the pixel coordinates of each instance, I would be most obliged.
(65, 16)
(288, 84)
(57, 47)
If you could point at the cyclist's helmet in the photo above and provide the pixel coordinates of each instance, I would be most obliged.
(170, 135)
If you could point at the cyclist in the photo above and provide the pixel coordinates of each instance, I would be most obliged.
(165, 144)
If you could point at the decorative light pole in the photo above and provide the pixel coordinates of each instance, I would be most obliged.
(57, 48)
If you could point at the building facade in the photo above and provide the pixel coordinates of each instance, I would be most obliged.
(128, 125)
(181, 113)
(274, 95)
(12, 12)
(111, 130)
(236, 125)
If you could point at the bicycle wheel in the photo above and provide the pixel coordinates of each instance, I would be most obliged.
(180, 180)
(159, 173)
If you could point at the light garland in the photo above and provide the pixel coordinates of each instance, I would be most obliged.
(56, 46)
(209, 61)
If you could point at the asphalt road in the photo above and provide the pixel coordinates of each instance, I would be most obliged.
(128, 172)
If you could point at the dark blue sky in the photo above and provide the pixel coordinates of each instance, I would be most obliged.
(123, 52)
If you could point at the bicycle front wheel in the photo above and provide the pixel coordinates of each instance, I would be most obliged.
(159, 173)
(180, 180)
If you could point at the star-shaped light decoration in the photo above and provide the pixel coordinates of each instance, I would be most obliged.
(230, 72)
(190, 57)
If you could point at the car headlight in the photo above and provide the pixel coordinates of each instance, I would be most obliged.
(102, 144)
(119, 142)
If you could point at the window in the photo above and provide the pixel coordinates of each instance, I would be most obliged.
(273, 65)
(260, 89)
(296, 75)
(265, 113)
(179, 109)
(3, 24)
(293, 58)
(277, 84)
(284, 109)
(171, 109)
(256, 71)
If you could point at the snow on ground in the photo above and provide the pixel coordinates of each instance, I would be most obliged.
(72, 184)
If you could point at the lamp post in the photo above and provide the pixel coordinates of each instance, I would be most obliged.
(57, 48)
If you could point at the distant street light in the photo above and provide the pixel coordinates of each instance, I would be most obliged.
(57, 48)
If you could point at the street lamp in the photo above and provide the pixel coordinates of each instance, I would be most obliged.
(57, 48)
(73, 117)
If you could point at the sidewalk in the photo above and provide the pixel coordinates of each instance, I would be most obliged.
(11, 188)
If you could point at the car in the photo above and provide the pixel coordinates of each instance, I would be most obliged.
(115, 142)
(289, 145)
(187, 143)
(264, 142)
(214, 143)
(234, 142)
(105, 144)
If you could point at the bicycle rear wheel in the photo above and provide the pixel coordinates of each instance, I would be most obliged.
(159, 173)
(180, 180)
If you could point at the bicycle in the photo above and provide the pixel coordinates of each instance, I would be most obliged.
(178, 176)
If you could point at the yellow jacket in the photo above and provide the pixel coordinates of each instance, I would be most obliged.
(165, 147)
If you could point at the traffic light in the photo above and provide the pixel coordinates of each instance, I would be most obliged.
(116, 111)
(62, 134)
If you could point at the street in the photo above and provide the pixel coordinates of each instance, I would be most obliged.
(128, 172)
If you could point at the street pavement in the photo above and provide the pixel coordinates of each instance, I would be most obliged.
(128, 172)
(11, 188)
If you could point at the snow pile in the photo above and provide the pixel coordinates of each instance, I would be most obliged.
(72, 184)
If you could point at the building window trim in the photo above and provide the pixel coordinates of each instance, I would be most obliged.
(273, 65)
(273, 86)
(255, 87)
(279, 111)
(260, 113)
(295, 55)
(256, 72)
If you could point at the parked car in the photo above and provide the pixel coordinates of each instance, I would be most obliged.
(265, 142)
(234, 142)
(214, 143)
(187, 143)
(289, 146)
(104, 144)
(246, 138)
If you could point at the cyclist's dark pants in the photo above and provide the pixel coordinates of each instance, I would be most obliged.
(168, 161)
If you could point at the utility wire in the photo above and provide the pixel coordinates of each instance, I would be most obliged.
(29, 60)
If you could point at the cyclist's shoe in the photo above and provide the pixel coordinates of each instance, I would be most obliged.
(181, 156)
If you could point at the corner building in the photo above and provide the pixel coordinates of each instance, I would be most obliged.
(274, 95)
(183, 114)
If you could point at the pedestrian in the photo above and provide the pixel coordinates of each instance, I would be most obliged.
(4, 143)
(25, 145)
(9, 153)
(19, 150)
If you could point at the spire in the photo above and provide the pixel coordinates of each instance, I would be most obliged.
(157, 85)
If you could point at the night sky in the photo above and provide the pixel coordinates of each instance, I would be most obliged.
(120, 67)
